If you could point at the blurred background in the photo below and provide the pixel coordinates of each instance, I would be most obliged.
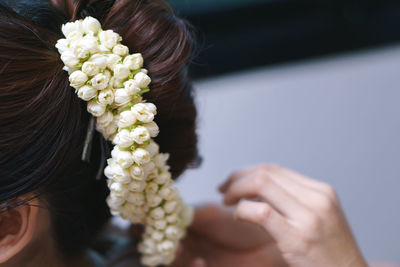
(311, 85)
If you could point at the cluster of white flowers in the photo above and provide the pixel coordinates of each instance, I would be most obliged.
(141, 188)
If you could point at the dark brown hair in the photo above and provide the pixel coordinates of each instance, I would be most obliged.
(43, 123)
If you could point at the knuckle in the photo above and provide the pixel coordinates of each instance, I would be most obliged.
(324, 205)
(329, 190)
(304, 245)
(263, 213)
(269, 167)
(260, 181)
(298, 248)
(312, 226)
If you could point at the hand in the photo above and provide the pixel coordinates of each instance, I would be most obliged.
(223, 242)
(304, 216)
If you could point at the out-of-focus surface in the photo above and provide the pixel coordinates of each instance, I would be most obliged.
(336, 119)
(236, 35)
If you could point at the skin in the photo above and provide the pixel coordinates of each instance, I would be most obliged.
(301, 219)
(26, 239)
(220, 240)
(278, 218)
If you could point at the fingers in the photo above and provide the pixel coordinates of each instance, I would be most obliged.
(265, 216)
(303, 180)
(305, 190)
(234, 176)
(260, 185)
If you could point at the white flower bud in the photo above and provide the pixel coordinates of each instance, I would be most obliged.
(90, 43)
(141, 156)
(145, 71)
(153, 148)
(163, 178)
(81, 51)
(170, 206)
(142, 113)
(140, 134)
(99, 60)
(123, 139)
(173, 232)
(77, 78)
(69, 59)
(166, 246)
(172, 218)
(173, 194)
(115, 202)
(152, 188)
(119, 189)
(122, 97)
(114, 83)
(123, 158)
(153, 200)
(107, 73)
(142, 80)
(90, 68)
(157, 235)
(153, 129)
(160, 224)
(117, 173)
(161, 159)
(110, 130)
(136, 186)
(149, 229)
(164, 192)
(95, 108)
(136, 172)
(86, 92)
(109, 38)
(134, 61)
(100, 81)
(120, 50)
(74, 37)
(148, 168)
(135, 198)
(121, 71)
(62, 45)
(105, 119)
(103, 49)
(148, 246)
(131, 87)
(69, 27)
(112, 60)
(151, 107)
(90, 24)
(69, 70)
(106, 97)
(127, 118)
(152, 175)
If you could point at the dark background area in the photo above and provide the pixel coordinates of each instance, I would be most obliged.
(234, 34)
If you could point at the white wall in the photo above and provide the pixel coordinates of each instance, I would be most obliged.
(336, 119)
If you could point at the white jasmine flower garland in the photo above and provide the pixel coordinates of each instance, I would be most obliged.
(141, 188)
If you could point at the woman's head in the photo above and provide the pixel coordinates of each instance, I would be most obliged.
(43, 123)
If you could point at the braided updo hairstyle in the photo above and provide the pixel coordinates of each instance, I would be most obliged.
(43, 123)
